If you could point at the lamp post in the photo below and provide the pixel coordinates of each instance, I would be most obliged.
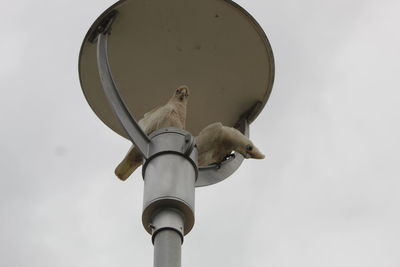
(132, 52)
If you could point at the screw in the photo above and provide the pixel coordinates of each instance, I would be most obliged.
(187, 138)
(100, 28)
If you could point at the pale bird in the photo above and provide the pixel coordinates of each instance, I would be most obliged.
(216, 141)
(172, 114)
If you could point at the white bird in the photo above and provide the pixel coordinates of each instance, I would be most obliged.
(172, 114)
(216, 141)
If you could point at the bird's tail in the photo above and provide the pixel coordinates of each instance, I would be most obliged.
(129, 164)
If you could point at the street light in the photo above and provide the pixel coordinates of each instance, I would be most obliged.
(131, 57)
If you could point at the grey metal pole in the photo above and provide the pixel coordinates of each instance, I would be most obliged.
(170, 175)
(167, 237)
(167, 249)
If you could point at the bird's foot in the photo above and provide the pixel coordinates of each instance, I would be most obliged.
(227, 157)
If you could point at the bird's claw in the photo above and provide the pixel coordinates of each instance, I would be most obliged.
(219, 164)
(232, 155)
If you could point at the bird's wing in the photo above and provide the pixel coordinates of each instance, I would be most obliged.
(151, 112)
(209, 144)
(210, 129)
(169, 115)
(153, 119)
(133, 158)
(129, 164)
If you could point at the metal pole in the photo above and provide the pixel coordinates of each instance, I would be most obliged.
(167, 237)
(167, 249)
(169, 175)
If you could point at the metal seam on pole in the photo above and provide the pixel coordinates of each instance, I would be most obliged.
(153, 237)
(153, 156)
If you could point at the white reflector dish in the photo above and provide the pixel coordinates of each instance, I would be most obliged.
(213, 46)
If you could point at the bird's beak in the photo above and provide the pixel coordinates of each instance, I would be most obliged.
(182, 92)
(255, 154)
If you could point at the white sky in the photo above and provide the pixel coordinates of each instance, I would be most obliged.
(327, 194)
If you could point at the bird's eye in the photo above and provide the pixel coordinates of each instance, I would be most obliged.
(249, 147)
(177, 90)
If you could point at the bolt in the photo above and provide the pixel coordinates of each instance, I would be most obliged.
(100, 28)
(187, 138)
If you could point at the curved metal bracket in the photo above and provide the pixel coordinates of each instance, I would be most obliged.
(129, 124)
(213, 174)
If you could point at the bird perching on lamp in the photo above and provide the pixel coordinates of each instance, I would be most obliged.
(213, 46)
(214, 143)
(172, 114)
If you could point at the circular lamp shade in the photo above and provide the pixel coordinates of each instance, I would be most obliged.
(213, 46)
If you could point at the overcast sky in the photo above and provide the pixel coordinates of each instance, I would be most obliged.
(326, 195)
